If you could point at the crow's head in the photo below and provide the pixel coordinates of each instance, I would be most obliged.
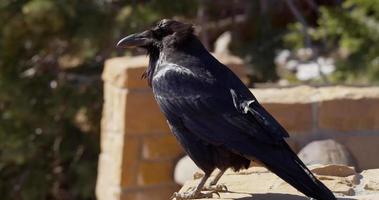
(166, 31)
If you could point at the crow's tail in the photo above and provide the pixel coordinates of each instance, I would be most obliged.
(291, 169)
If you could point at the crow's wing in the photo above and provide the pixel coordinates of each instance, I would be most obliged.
(219, 112)
(226, 113)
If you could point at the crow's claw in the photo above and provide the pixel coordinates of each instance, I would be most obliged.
(193, 195)
(216, 188)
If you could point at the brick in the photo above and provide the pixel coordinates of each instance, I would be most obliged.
(109, 170)
(126, 72)
(294, 118)
(114, 106)
(131, 112)
(112, 143)
(161, 147)
(364, 149)
(110, 166)
(107, 192)
(142, 114)
(292, 95)
(349, 114)
(130, 159)
(110, 158)
(157, 193)
(153, 173)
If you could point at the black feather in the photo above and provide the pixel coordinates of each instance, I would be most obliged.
(215, 117)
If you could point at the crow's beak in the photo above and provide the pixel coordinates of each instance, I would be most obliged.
(135, 40)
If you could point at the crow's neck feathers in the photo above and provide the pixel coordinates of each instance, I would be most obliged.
(158, 51)
(153, 53)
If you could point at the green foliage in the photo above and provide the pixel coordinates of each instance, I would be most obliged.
(348, 33)
(51, 57)
(259, 40)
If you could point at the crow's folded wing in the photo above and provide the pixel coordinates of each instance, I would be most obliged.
(223, 117)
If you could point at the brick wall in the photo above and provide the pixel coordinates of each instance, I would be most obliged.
(350, 115)
(138, 152)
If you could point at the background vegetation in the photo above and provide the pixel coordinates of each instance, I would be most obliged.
(52, 52)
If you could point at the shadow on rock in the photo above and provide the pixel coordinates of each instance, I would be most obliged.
(280, 196)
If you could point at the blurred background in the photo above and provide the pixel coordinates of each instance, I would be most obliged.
(52, 54)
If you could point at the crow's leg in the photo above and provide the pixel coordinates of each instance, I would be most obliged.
(218, 176)
(213, 186)
(194, 193)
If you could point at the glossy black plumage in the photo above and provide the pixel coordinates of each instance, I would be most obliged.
(215, 117)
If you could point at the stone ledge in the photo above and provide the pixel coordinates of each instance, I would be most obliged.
(333, 109)
(126, 72)
(257, 183)
(308, 94)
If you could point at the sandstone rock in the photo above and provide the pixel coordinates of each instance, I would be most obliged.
(370, 179)
(122, 112)
(346, 114)
(130, 163)
(363, 148)
(113, 109)
(257, 183)
(161, 147)
(126, 72)
(300, 94)
(339, 185)
(367, 197)
(110, 165)
(151, 121)
(109, 174)
(306, 94)
(333, 170)
(345, 92)
(286, 113)
(184, 170)
(153, 173)
(325, 152)
(131, 157)
(154, 193)
(222, 43)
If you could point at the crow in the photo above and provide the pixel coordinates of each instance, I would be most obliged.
(213, 115)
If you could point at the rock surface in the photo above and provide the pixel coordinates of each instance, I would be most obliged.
(184, 170)
(370, 179)
(126, 72)
(333, 170)
(325, 152)
(257, 183)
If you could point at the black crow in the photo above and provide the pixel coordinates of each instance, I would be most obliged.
(214, 116)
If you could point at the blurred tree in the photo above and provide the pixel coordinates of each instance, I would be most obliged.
(257, 27)
(51, 57)
(348, 33)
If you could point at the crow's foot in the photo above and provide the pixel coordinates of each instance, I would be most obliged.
(216, 188)
(192, 194)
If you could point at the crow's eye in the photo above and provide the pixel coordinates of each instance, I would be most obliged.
(160, 33)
